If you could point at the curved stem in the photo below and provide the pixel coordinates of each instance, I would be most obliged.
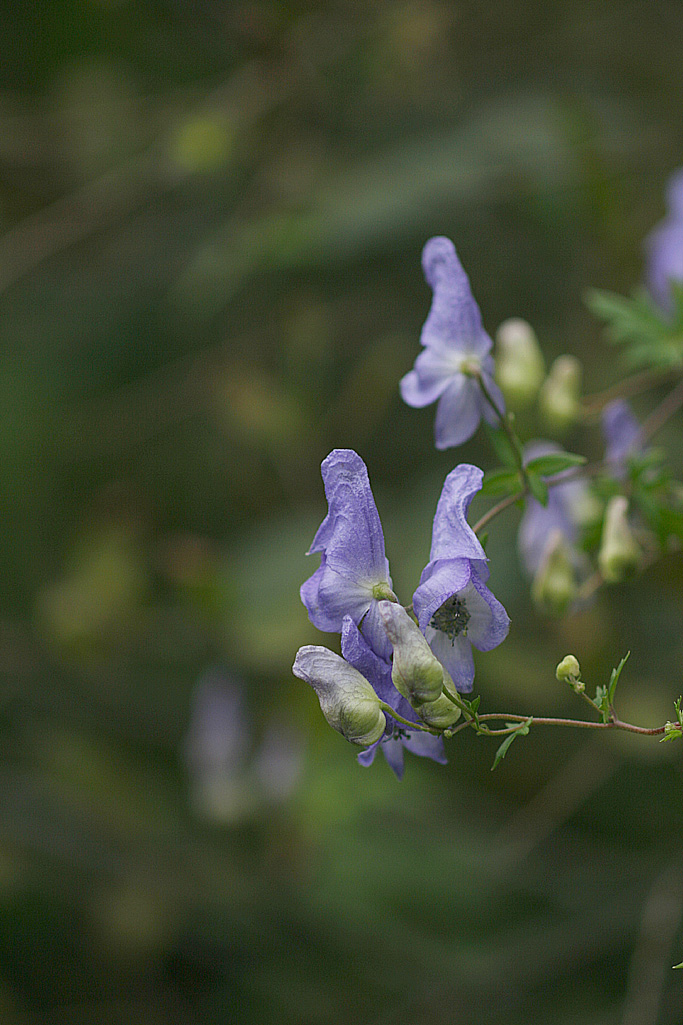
(504, 504)
(406, 722)
(613, 724)
(633, 385)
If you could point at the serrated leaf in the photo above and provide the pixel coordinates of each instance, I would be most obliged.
(556, 462)
(521, 731)
(614, 678)
(500, 482)
(538, 488)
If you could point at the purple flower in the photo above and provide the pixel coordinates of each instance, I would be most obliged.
(397, 736)
(454, 608)
(354, 573)
(568, 506)
(456, 349)
(664, 247)
(622, 433)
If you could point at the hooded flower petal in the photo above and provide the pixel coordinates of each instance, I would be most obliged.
(351, 533)
(452, 536)
(354, 570)
(456, 347)
(454, 316)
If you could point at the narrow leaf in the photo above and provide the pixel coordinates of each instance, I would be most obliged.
(556, 462)
(521, 731)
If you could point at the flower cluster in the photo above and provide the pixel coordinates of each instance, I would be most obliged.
(351, 594)
(399, 681)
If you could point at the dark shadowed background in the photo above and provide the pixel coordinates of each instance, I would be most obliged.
(212, 215)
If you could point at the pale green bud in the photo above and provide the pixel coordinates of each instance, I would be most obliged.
(559, 397)
(347, 700)
(568, 669)
(554, 586)
(416, 672)
(520, 367)
(619, 555)
(441, 713)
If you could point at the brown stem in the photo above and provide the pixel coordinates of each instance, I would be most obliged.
(663, 412)
(504, 504)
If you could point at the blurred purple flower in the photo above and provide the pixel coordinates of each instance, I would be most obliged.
(454, 608)
(456, 347)
(664, 247)
(354, 573)
(566, 510)
(226, 783)
(622, 433)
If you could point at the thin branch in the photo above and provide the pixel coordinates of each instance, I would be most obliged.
(494, 511)
(663, 412)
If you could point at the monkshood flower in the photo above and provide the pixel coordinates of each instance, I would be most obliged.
(454, 608)
(397, 737)
(354, 573)
(623, 435)
(664, 247)
(456, 350)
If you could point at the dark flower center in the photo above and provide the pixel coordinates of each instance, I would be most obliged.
(452, 618)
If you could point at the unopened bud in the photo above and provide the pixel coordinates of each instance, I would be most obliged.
(568, 669)
(347, 700)
(441, 713)
(559, 397)
(554, 586)
(520, 367)
(619, 555)
(416, 672)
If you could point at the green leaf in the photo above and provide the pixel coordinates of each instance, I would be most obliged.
(614, 678)
(547, 466)
(500, 482)
(674, 734)
(678, 965)
(652, 341)
(521, 731)
(502, 446)
(538, 488)
(602, 702)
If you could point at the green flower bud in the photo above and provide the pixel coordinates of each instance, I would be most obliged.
(554, 586)
(441, 713)
(568, 669)
(417, 673)
(520, 367)
(619, 555)
(559, 397)
(347, 700)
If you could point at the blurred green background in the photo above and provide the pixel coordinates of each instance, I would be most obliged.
(212, 215)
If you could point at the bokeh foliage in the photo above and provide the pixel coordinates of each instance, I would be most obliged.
(212, 216)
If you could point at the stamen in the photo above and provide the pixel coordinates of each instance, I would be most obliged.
(452, 618)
